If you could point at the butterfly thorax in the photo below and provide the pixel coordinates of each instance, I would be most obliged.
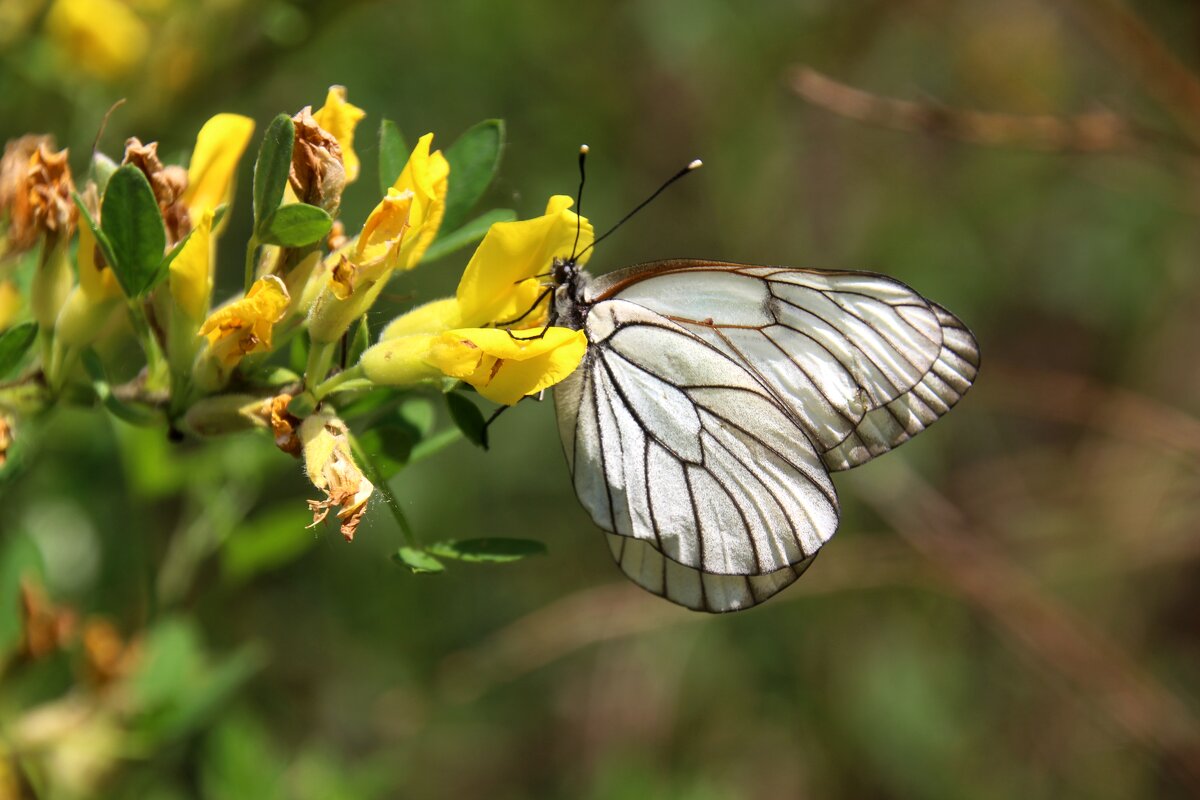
(570, 282)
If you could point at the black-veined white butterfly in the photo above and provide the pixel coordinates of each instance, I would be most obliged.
(715, 399)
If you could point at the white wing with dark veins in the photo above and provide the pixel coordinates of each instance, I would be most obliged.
(713, 496)
(861, 361)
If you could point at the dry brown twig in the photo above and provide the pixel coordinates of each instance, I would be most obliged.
(1137, 47)
(1094, 132)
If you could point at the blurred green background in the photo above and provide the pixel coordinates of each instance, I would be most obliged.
(1010, 606)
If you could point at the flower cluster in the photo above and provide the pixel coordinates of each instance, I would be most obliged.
(128, 251)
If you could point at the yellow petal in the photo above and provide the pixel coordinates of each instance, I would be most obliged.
(340, 118)
(427, 176)
(244, 326)
(219, 146)
(191, 275)
(505, 368)
(382, 237)
(96, 281)
(495, 286)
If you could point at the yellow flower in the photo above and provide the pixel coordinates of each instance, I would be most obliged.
(503, 368)
(502, 280)
(378, 248)
(10, 304)
(427, 176)
(219, 146)
(244, 326)
(191, 276)
(331, 468)
(340, 119)
(104, 37)
(499, 282)
(394, 236)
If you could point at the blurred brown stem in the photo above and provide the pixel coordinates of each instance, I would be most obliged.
(1093, 132)
(1136, 46)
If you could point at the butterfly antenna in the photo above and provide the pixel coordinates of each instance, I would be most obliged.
(583, 151)
(696, 164)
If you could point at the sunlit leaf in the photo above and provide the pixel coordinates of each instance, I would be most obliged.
(474, 160)
(420, 562)
(493, 550)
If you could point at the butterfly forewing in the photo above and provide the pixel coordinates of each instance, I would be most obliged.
(860, 361)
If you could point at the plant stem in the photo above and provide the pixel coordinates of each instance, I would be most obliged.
(320, 357)
(380, 482)
(323, 389)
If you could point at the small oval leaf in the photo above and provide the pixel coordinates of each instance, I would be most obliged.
(296, 225)
(420, 562)
(474, 160)
(272, 168)
(14, 343)
(468, 418)
(491, 550)
(133, 228)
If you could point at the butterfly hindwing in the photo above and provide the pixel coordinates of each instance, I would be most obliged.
(676, 447)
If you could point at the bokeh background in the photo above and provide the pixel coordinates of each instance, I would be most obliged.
(1010, 608)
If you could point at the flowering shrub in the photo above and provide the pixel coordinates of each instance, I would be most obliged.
(126, 252)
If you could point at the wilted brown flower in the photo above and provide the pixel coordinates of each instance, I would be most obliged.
(35, 191)
(284, 425)
(331, 468)
(318, 173)
(168, 182)
(107, 657)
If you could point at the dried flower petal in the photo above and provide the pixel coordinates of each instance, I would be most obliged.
(35, 191)
(331, 468)
(318, 173)
(168, 182)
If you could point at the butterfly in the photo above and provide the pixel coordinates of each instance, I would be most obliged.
(715, 399)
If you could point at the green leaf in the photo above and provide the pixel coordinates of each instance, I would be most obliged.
(14, 343)
(296, 225)
(393, 154)
(492, 550)
(133, 226)
(420, 562)
(468, 234)
(272, 168)
(474, 159)
(468, 418)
